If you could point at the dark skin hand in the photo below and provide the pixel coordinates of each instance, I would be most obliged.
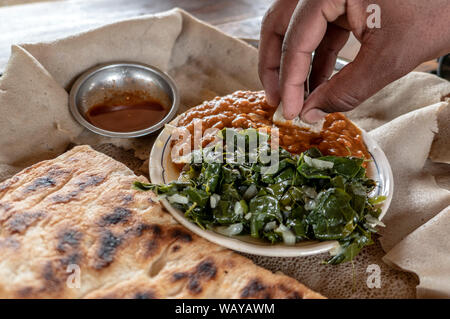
(411, 32)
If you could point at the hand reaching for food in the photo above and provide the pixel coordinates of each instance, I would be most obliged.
(409, 32)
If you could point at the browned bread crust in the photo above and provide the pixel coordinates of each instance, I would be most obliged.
(79, 209)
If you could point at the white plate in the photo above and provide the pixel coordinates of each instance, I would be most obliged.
(162, 171)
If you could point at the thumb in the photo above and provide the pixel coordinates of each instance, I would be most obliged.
(355, 83)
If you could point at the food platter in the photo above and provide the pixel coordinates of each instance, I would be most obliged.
(163, 171)
(85, 206)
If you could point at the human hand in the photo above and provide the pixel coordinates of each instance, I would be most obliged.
(411, 32)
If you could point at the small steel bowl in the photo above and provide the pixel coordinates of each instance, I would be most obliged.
(101, 82)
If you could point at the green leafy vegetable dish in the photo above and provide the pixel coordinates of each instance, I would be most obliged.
(304, 197)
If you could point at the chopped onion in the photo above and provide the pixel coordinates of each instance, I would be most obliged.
(309, 191)
(374, 221)
(183, 178)
(270, 226)
(336, 250)
(248, 216)
(160, 197)
(214, 200)
(238, 209)
(178, 199)
(251, 191)
(231, 230)
(281, 228)
(288, 236)
(310, 204)
(317, 163)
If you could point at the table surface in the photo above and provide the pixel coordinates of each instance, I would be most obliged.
(37, 21)
(45, 21)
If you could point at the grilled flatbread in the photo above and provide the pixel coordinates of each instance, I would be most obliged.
(73, 227)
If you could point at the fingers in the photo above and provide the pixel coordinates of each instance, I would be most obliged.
(326, 54)
(305, 32)
(269, 63)
(355, 83)
(273, 28)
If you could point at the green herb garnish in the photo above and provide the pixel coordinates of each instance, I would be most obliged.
(307, 197)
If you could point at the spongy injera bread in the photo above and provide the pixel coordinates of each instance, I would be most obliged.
(80, 209)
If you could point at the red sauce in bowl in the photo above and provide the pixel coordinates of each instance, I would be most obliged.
(127, 112)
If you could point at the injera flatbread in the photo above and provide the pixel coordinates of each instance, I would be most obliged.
(79, 210)
(278, 119)
(415, 252)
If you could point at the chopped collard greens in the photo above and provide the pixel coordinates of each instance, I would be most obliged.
(307, 196)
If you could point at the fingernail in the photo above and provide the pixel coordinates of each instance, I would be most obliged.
(288, 116)
(313, 116)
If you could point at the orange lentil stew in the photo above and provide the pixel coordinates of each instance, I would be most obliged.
(246, 109)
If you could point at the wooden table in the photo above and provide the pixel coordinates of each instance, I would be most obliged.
(46, 21)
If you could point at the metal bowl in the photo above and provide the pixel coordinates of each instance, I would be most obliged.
(99, 83)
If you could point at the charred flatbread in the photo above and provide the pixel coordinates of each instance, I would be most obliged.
(73, 227)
